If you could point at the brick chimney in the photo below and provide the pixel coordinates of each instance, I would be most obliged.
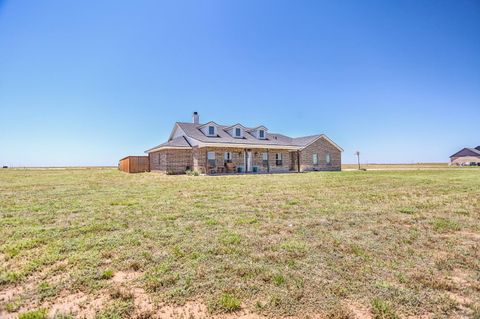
(195, 118)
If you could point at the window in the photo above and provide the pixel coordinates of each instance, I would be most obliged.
(278, 159)
(211, 159)
(265, 159)
(315, 159)
(238, 132)
(328, 159)
(261, 134)
(211, 130)
(227, 157)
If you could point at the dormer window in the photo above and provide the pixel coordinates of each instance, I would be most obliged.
(259, 132)
(211, 130)
(235, 131)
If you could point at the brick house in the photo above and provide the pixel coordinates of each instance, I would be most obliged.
(211, 148)
(466, 157)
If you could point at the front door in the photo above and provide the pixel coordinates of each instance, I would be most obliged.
(248, 161)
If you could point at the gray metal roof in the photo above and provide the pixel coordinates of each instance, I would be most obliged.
(178, 142)
(475, 150)
(193, 131)
(467, 151)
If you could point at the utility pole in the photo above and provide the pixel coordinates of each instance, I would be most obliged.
(357, 153)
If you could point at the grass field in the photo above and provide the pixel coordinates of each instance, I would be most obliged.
(394, 167)
(101, 243)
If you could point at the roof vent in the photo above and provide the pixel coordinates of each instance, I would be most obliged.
(195, 118)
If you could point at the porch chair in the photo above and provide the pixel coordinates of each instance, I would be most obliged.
(231, 168)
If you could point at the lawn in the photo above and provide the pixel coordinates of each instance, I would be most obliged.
(102, 243)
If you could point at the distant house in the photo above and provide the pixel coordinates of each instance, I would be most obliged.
(212, 148)
(466, 157)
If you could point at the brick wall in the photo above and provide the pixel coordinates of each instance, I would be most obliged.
(238, 158)
(178, 161)
(465, 159)
(199, 159)
(321, 147)
(171, 161)
(286, 161)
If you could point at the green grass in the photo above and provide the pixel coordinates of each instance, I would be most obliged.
(107, 274)
(382, 310)
(118, 309)
(226, 303)
(34, 314)
(443, 224)
(397, 243)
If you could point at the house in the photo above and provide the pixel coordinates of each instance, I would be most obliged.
(213, 148)
(466, 157)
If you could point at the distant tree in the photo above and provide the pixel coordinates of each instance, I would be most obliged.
(357, 153)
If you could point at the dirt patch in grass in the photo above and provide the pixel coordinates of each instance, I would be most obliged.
(359, 311)
(125, 276)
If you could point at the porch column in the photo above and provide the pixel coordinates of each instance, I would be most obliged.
(298, 161)
(206, 161)
(268, 160)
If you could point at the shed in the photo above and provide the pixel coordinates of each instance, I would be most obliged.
(134, 164)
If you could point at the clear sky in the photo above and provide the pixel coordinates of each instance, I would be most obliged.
(88, 82)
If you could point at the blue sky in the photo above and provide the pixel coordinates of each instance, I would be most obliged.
(88, 82)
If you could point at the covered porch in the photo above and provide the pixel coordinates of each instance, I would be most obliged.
(235, 160)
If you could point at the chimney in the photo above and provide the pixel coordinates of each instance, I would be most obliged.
(195, 118)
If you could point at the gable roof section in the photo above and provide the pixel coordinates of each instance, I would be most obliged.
(234, 125)
(307, 140)
(206, 124)
(176, 143)
(261, 127)
(467, 152)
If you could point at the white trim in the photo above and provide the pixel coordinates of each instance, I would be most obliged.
(209, 123)
(214, 130)
(264, 134)
(239, 135)
(234, 125)
(248, 161)
(168, 148)
(257, 128)
(173, 134)
(214, 155)
(328, 158)
(232, 145)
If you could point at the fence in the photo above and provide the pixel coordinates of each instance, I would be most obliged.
(134, 164)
